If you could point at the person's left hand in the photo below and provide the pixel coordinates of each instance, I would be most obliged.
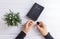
(28, 25)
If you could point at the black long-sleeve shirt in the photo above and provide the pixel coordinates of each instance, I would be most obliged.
(21, 35)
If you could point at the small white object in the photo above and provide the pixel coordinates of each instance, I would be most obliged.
(10, 15)
(9, 18)
(13, 15)
(12, 21)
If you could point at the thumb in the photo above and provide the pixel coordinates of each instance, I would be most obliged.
(38, 27)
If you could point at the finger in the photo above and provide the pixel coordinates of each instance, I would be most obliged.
(27, 22)
(41, 24)
(38, 26)
(31, 21)
(38, 23)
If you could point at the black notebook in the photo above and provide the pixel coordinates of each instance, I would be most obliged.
(35, 11)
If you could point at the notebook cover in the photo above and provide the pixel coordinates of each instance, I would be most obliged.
(35, 11)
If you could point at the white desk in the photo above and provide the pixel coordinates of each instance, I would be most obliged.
(50, 16)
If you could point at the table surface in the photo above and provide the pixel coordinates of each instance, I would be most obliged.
(50, 16)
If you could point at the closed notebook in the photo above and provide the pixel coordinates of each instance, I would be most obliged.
(35, 11)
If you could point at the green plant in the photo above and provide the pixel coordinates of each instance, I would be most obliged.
(12, 19)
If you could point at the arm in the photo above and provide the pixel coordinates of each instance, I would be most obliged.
(48, 36)
(25, 30)
(42, 28)
(21, 35)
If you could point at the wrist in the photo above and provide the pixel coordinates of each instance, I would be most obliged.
(25, 31)
(45, 33)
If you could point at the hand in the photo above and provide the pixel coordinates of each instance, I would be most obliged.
(42, 28)
(28, 25)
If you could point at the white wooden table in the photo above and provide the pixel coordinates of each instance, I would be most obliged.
(50, 16)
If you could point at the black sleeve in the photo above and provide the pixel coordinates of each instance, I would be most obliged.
(21, 35)
(48, 36)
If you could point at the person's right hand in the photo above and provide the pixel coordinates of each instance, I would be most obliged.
(42, 28)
